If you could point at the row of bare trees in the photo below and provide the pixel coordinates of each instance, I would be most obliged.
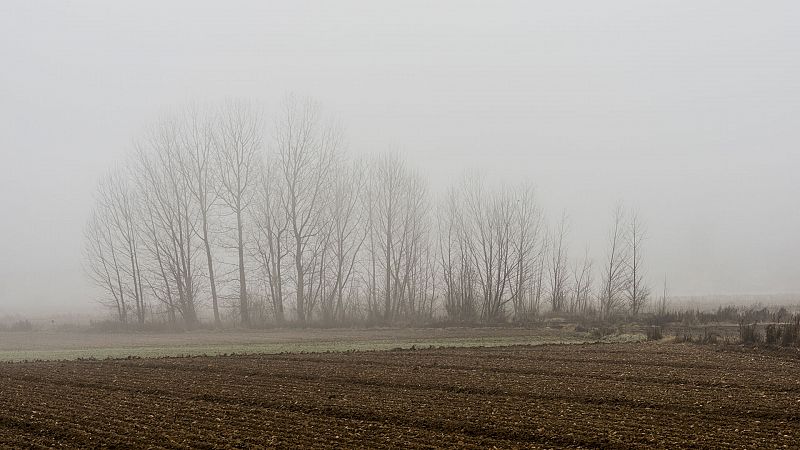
(220, 212)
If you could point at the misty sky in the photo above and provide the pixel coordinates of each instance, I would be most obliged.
(688, 111)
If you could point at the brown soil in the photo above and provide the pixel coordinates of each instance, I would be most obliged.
(624, 396)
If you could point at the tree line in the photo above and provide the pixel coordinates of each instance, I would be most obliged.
(220, 211)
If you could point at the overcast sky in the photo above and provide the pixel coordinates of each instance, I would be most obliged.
(688, 111)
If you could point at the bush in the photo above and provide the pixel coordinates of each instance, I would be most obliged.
(791, 332)
(784, 334)
(748, 333)
(709, 336)
(654, 333)
(603, 331)
(772, 334)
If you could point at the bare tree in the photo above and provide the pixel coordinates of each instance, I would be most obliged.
(157, 243)
(540, 270)
(118, 200)
(238, 142)
(527, 252)
(491, 230)
(306, 149)
(171, 216)
(637, 291)
(272, 242)
(491, 248)
(558, 266)
(397, 209)
(663, 302)
(371, 205)
(582, 284)
(198, 143)
(457, 271)
(614, 276)
(416, 288)
(347, 234)
(102, 264)
(423, 276)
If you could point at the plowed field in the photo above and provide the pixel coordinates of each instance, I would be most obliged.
(609, 395)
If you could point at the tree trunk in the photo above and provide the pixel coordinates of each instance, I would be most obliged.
(211, 280)
(243, 306)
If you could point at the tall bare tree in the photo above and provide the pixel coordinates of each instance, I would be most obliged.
(638, 292)
(398, 230)
(615, 268)
(307, 148)
(157, 244)
(198, 144)
(582, 284)
(538, 287)
(272, 242)
(118, 199)
(239, 141)
(491, 228)
(457, 271)
(526, 248)
(416, 289)
(102, 263)
(663, 301)
(558, 266)
(347, 234)
(171, 214)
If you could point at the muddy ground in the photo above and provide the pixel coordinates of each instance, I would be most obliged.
(600, 395)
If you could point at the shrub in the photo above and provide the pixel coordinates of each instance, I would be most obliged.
(654, 333)
(791, 332)
(748, 333)
(772, 334)
(783, 334)
(710, 337)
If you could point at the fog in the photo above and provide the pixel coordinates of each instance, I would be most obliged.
(685, 111)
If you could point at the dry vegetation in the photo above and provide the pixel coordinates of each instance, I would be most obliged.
(616, 395)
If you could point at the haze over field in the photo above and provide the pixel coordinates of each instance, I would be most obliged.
(685, 111)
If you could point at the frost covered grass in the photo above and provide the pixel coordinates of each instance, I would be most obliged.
(70, 346)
